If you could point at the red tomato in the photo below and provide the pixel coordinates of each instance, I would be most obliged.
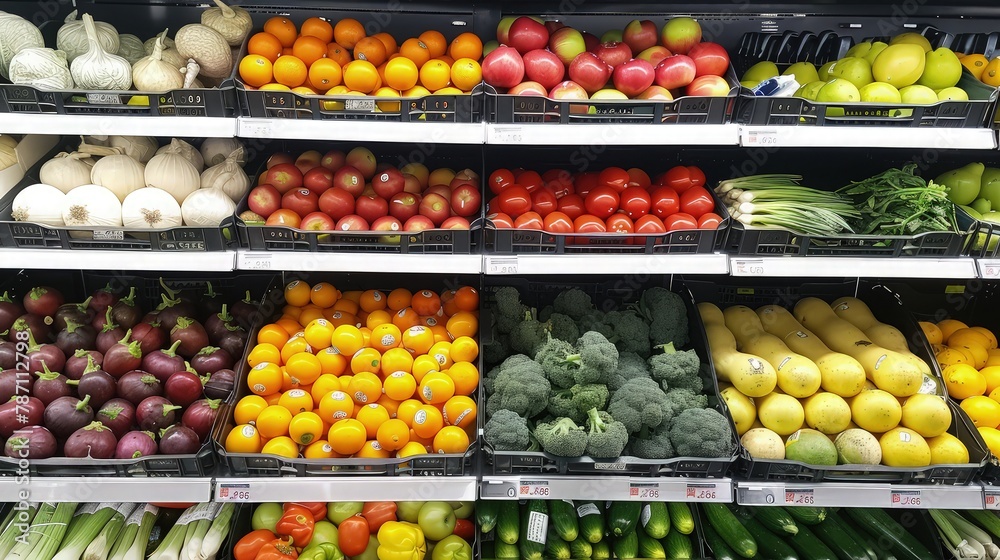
(543, 201)
(709, 220)
(589, 224)
(530, 180)
(465, 529)
(649, 225)
(665, 202)
(528, 220)
(697, 201)
(492, 205)
(502, 221)
(561, 185)
(514, 200)
(500, 179)
(572, 205)
(585, 182)
(557, 222)
(619, 223)
(680, 220)
(697, 176)
(678, 178)
(557, 176)
(636, 202)
(614, 177)
(602, 201)
(638, 178)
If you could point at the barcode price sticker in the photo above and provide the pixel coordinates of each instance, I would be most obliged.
(533, 489)
(706, 492)
(992, 499)
(644, 491)
(233, 493)
(904, 499)
(255, 261)
(501, 265)
(507, 135)
(742, 267)
(252, 129)
(760, 138)
(799, 497)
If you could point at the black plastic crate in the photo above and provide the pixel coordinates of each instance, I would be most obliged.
(607, 294)
(986, 241)
(29, 235)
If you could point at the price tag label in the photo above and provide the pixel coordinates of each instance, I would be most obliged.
(232, 492)
(989, 269)
(799, 497)
(760, 138)
(256, 261)
(644, 491)
(702, 492)
(992, 499)
(507, 135)
(501, 265)
(255, 129)
(533, 489)
(761, 495)
(743, 267)
(498, 489)
(904, 498)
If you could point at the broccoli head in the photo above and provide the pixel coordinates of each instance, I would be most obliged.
(507, 431)
(521, 388)
(527, 336)
(652, 444)
(561, 405)
(573, 302)
(607, 437)
(590, 396)
(563, 437)
(666, 314)
(508, 311)
(563, 327)
(545, 313)
(702, 432)
(552, 357)
(597, 358)
(683, 399)
(629, 331)
(496, 350)
(640, 403)
(676, 370)
(594, 321)
(630, 365)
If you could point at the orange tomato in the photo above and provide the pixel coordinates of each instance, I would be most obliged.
(372, 416)
(263, 353)
(378, 317)
(466, 45)
(243, 438)
(290, 71)
(390, 404)
(272, 334)
(324, 294)
(310, 314)
(415, 50)
(248, 408)
(407, 410)
(326, 383)
(385, 337)
(348, 339)
(264, 379)
(400, 297)
(347, 436)
(367, 360)
(424, 364)
(465, 377)
(436, 388)
(364, 388)
(339, 318)
(296, 401)
(256, 70)
(467, 298)
(441, 351)
(319, 334)
(372, 450)
(411, 449)
(451, 439)
(305, 428)
(290, 326)
(304, 368)
(319, 28)
(426, 303)
(273, 421)
(440, 333)
(435, 41)
(372, 300)
(393, 434)
(348, 32)
(418, 339)
(297, 293)
(399, 386)
(331, 361)
(272, 399)
(265, 45)
(335, 405)
(464, 349)
(463, 323)
(283, 29)
(435, 75)
(396, 359)
(295, 345)
(371, 49)
(405, 318)
(427, 421)
(460, 411)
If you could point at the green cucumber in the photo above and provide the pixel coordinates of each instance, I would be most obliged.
(678, 545)
(627, 545)
(581, 548)
(809, 546)
(504, 550)
(730, 529)
(623, 517)
(590, 517)
(649, 547)
(776, 519)
(718, 547)
(879, 525)
(680, 517)
(508, 522)
(843, 539)
(562, 517)
(486, 514)
(555, 547)
(769, 545)
(600, 551)
(655, 519)
(807, 515)
(534, 529)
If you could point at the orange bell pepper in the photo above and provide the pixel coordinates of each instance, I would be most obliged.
(278, 549)
(297, 522)
(318, 509)
(251, 543)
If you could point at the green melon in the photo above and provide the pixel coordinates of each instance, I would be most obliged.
(811, 447)
(858, 447)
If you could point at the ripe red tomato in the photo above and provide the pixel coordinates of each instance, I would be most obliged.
(530, 180)
(697, 176)
(649, 225)
(500, 179)
(638, 178)
(585, 182)
(502, 221)
(544, 201)
(619, 223)
(514, 200)
(557, 222)
(602, 201)
(614, 177)
(679, 221)
(492, 205)
(709, 220)
(572, 205)
(589, 224)
(678, 178)
(665, 202)
(529, 220)
(636, 202)
(697, 201)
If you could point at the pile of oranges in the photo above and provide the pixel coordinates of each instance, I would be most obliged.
(363, 374)
(321, 58)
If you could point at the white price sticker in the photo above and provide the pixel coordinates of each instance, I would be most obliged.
(762, 496)
(538, 489)
(743, 267)
(501, 265)
(538, 527)
(800, 497)
(232, 492)
(701, 492)
(760, 138)
(255, 129)
(904, 498)
(644, 491)
(507, 135)
(989, 269)
(256, 261)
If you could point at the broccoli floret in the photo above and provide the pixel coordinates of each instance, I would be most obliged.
(683, 399)
(594, 321)
(629, 331)
(552, 357)
(509, 310)
(573, 302)
(496, 350)
(561, 405)
(562, 437)
(652, 444)
(545, 313)
(666, 314)
(528, 336)
(533, 445)
(507, 431)
(676, 370)
(521, 388)
(607, 437)
(701, 432)
(563, 327)
(590, 396)
(597, 357)
(640, 403)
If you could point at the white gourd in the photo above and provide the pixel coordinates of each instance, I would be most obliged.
(41, 68)
(228, 177)
(232, 22)
(151, 208)
(92, 205)
(130, 48)
(120, 174)
(16, 35)
(182, 148)
(139, 148)
(216, 150)
(174, 174)
(206, 46)
(152, 73)
(96, 69)
(41, 204)
(73, 40)
(168, 43)
(66, 171)
(207, 208)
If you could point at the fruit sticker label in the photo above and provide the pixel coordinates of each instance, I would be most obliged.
(538, 527)
(587, 509)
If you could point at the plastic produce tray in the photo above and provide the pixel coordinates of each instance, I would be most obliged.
(607, 294)
(148, 289)
(887, 308)
(29, 235)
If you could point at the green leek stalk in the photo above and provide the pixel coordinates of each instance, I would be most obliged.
(173, 544)
(217, 532)
(50, 533)
(137, 550)
(85, 531)
(17, 527)
(100, 547)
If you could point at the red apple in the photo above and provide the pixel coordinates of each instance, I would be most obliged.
(589, 71)
(418, 223)
(571, 90)
(656, 93)
(388, 183)
(466, 200)
(440, 190)
(567, 43)
(337, 203)
(387, 223)
(455, 222)
(300, 201)
(411, 184)
(308, 160)
(468, 174)
(613, 53)
(371, 208)
(459, 181)
(284, 177)
(503, 28)
(675, 71)
(710, 59)
(352, 222)
(404, 205)
(543, 67)
(318, 180)
(503, 67)
(363, 160)
(526, 34)
(654, 54)
(435, 207)
(640, 35)
(680, 34)
(350, 179)
(264, 200)
(708, 86)
(633, 77)
(528, 88)
(317, 221)
(552, 26)
(333, 160)
(277, 158)
(591, 41)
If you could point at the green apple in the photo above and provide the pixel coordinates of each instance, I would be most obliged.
(942, 69)
(963, 183)
(880, 92)
(452, 547)
(370, 553)
(971, 211)
(266, 516)
(824, 71)
(337, 512)
(810, 90)
(464, 510)
(918, 95)
(436, 520)
(323, 532)
(838, 91)
(853, 69)
(804, 72)
(408, 511)
(952, 94)
(761, 71)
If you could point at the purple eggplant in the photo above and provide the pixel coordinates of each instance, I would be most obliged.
(41, 355)
(245, 311)
(136, 385)
(125, 312)
(96, 384)
(136, 444)
(179, 440)
(14, 415)
(149, 336)
(9, 381)
(103, 298)
(9, 312)
(220, 384)
(78, 362)
(234, 342)
(51, 386)
(218, 324)
(191, 335)
(94, 440)
(78, 312)
(117, 414)
(164, 363)
(211, 358)
(172, 309)
(8, 354)
(110, 334)
(183, 388)
(32, 324)
(66, 415)
(123, 357)
(201, 416)
(155, 413)
(33, 442)
(211, 302)
(76, 336)
(43, 301)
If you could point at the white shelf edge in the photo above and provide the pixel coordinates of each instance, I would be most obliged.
(613, 134)
(838, 267)
(362, 130)
(867, 137)
(105, 489)
(499, 265)
(350, 488)
(60, 259)
(833, 494)
(989, 269)
(358, 262)
(597, 487)
(200, 127)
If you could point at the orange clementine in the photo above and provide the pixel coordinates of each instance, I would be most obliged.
(388, 41)
(371, 49)
(400, 297)
(308, 49)
(348, 32)
(401, 73)
(361, 75)
(323, 294)
(466, 74)
(435, 41)
(290, 71)
(266, 45)
(387, 106)
(283, 29)
(416, 91)
(338, 54)
(466, 45)
(372, 300)
(317, 27)
(415, 50)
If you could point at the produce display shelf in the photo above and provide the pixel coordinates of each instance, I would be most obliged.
(854, 267)
(362, 131)
(612, 488)
(111, 489)
(63, 259)
(202, 127)
(361, 489)
(358, 262)
(832, 494)
(613, 134)
(867, 137)
(501, 265)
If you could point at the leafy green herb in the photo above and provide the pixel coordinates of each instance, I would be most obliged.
(899, 202)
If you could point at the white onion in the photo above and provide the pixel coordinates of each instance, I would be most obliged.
(118, 173)
(139, 148)
(207, 207)
(174, 174)
(92, 205)
(66, 171)
(39, 203)
(182, 148)
(150, 208)
(227, 176)
(216, 150)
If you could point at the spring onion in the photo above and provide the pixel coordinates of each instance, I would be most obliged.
(17, 527)
(173, 543)
(217, 533)
(100, 547)
(137, 551)
(779, 201)
(84, 531)
(201, 522)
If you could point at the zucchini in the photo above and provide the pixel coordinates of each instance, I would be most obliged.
(581, 548)
(590, 518)
(843, 539)
(650, 547)
(680, 517)
(810, 547)
(486, 514)
(718, 547)
(880, 526)
(600, 551)
(508, 522)
(678, 545)
(807, 515)
(627, 546)
(655, 519)
(769, 545)
(733, 532)
(985, 519)
(504, 550)
(776, 519)
(534, 529)
(562, 518)
(555, 547)
(623, 517)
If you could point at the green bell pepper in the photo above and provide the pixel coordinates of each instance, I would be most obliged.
(324, 551)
